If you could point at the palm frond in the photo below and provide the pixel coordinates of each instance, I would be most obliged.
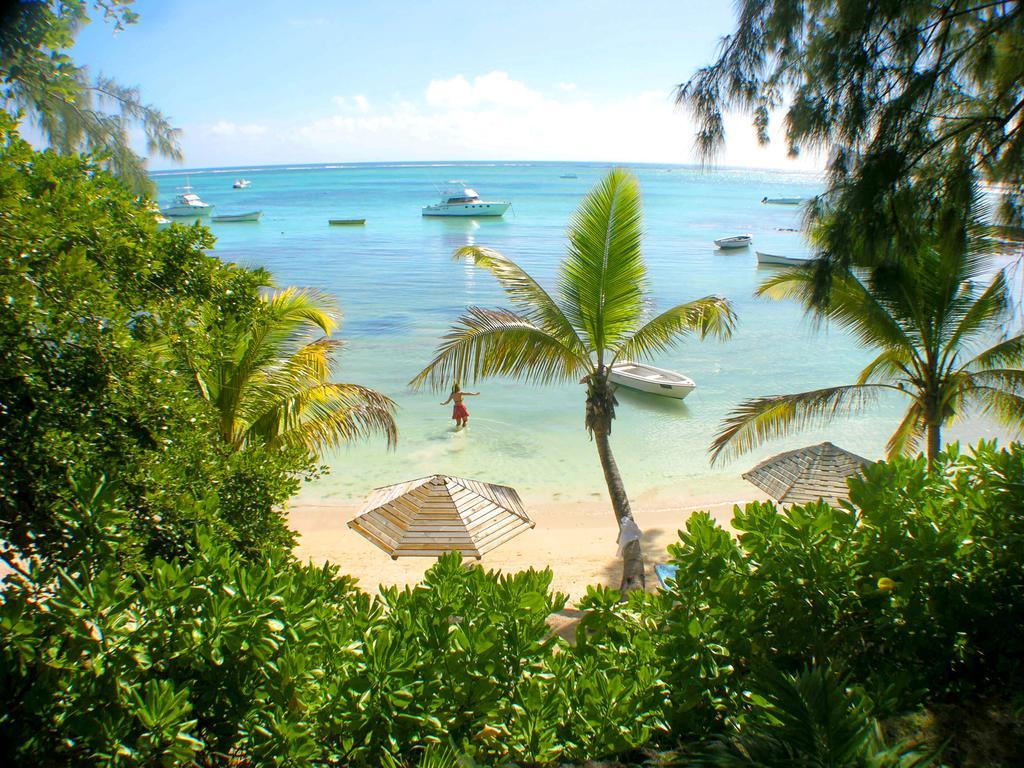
(888, 366)
(285, 380)
(1009, 380)
(1007, 353)
(489, 342)
(851, 304)
(909, 433)
(603, 278)
(980, 314)
(710, 316)
(1006, 407)
(531, 300)
(754, 421)
(331, 415)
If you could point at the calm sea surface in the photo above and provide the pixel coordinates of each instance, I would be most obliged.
(400, 290)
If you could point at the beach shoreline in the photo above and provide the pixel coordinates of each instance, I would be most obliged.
(576, 539)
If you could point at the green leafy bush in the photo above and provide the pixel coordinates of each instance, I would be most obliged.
(93, 301)
(272, 663)
(911, 586)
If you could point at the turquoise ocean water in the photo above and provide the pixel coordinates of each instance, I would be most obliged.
(400, 290)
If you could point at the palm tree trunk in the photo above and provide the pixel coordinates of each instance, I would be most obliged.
(934, 441)
(600, 412)
(632, 556)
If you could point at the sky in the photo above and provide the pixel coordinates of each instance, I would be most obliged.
(310, 81)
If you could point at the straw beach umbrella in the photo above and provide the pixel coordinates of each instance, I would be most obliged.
(807, 474)
(433, 515)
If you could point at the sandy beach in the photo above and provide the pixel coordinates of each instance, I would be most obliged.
(575, 539)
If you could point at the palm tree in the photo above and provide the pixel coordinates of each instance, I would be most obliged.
(599, 314)
(934, 323)
(268, 380)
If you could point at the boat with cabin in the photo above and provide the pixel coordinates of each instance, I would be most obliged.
(654, 381)
(187, 203)
(241, 183)
(736, 241)
(459, 200)
(238, 217)
(778, 260)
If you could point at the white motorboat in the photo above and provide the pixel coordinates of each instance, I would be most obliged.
(187, 203)
(250, 216)
(459, 200)
(241, 183)
(647, 378)
(736, 241)
(777, 260)
(782, 200)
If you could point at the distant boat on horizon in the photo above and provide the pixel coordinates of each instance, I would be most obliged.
(568, 176)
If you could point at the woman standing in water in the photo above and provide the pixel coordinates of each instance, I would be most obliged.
(460, 413)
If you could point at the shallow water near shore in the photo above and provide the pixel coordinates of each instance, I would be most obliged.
(400, 290)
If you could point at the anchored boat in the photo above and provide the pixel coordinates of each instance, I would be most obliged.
(459, 200)
(238, 217)
(647, 378)
(777, 260)
(736, 241)
(187, 203)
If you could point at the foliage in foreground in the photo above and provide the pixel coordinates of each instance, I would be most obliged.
(816, 616)
(90, 386)
(911, 586)
(220, 660)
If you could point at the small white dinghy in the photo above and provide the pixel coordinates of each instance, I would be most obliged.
(777, 260)
(238, 217)
(647, 378)
(782, 200)
(736, 241)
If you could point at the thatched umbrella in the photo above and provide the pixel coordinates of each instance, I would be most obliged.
(433, 515)
(807, 474)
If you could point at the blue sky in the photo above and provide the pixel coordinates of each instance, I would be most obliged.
(275, 82)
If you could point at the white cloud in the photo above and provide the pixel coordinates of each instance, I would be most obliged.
(567, 86)
(493, 116)
(228, 129)
(357, 103)
(489, 117)
(493, 89)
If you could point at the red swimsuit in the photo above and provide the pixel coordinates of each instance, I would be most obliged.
(460, 412)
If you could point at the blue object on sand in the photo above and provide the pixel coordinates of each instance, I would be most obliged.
(665, 572)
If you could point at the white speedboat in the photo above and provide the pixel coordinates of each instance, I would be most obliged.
(775, 259)
(241, 183)
(250, 216)
(782, 200)
(187, 203)
(647, 378)
(459, 200)
(736, 241)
